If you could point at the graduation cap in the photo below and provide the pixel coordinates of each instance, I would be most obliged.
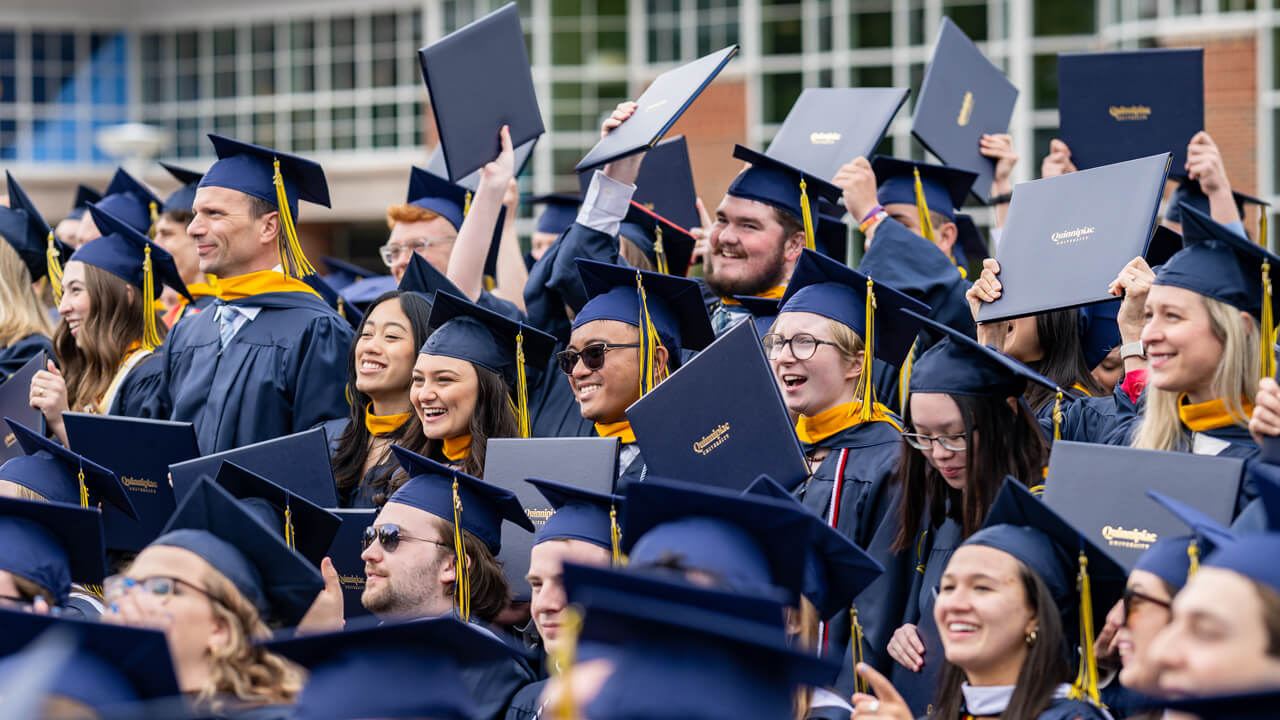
(971, 245)
(31, 237)
(685, 652)
(1164, 244)
(580, 514)
(1099, 331)
(667, 245)
(1081, 577)
(1220, 264)
(305, 526)
(1252, 556)
(84, 196)
(466, 331)
(782, 186)
(182, 199)
(748, 544)
(931, 188)
(1189, 192)
(419, 668)
(278, 179)
(432, 192)
(52, 544)
(1176, 559)
(835, 569)
(666, 308)
(1260, 705)
(129, 255)
(342, 273)
(109, 665)
(131, 200)
(822, 286)
(958, 365)
(274, 578)
(331, 297)
(364, 292)
(60, 475)
(559, 212)
(468, 502)
(832, 235)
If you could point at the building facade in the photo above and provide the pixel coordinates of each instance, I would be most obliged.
(339, 81)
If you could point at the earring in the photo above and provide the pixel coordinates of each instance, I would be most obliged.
(1031, 637)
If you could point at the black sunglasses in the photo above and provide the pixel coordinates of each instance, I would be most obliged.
(389, 536)
(1133, 600)
(592, 356)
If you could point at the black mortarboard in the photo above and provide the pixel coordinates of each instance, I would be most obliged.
(658, 108)
(52, 544)
(579, 514)
(558, 213)
(667, 246)
(1189, 192)
(84, 196)
(299, 462)
(469, 114)
(432, 192)
(1164, 244)
(958, 365)
(777, 184)
(277, 580)
(305, 526)
(55, 473)
(1218, 263)
(828, 127)
(28, 234)
(131, 200)
(182, 199)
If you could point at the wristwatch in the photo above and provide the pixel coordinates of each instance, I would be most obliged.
(1133, 349)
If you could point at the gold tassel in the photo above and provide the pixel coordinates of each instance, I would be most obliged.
(866, 390)
(150, 334)
(522, 387)
(904, 380)
(466, 204)
(1193, 556)
(84, 491)
(462, 584)
(855, 637)
(1268, 365)
(342, 308)
(54, 267)
(660, 252)
(155, 215)
(1086, 685)
(289, 540)
(1057, 415)
(650, 375)
(807, 214)
(561, 661)
(615, 536)
(489, 282)
(1262, 228)
(292, 259)
(922, 206)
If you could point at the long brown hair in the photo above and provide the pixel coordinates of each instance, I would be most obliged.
(489, 590)
(1046, 667)
(492, 418)
(1001, 440)
(1063, 360)
(89, 362)
(353, 444)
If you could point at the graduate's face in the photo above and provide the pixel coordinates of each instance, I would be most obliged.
(604, 395)
(1146, 619)
(748, 253)
(229, 240)
(76, 305)
(819, 382)
(546, 582)
(1182, 349)
(172, 236)
(88, 230)
(1022, 342)
(410, 582)
(936, 415)
(385, 355)
(1110, 371)
(432, 239)
(540, 242)
(944, 231)
(444, 392)
(1217, 641)
(983, 615)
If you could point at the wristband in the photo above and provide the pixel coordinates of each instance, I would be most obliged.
(1133, 349)
(866, 224)
(870, 215)
(1001, 199)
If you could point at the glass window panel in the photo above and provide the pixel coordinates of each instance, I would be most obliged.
(343, 75)
(873, 76)
(302, 35)
(224, 42)
(1044, 72)
(39, 46)
(342, 32)
(224, 84)
(264, 81)
(304, 130)
(1064, 17)
(262, 38)
(188, 86)
(871, 25)
(66, 44)
(566, 47)
(304, 77)
(384, 28)
(8, 87)
(152, 47)
(782, 37)
(264, 129)
(971, 18)
(384, 125)
(780, 92)
(8, 139)
(384, 72)
(187, 45)
(225, 125)
(343, 122)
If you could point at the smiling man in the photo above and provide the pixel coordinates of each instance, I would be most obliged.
(269, 358)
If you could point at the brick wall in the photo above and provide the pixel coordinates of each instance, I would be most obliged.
(711, 126)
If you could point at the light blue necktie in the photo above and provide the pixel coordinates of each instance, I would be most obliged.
(226, 317)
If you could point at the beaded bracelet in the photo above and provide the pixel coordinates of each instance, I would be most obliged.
(866, 224)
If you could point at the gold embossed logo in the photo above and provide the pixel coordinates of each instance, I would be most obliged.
(712, 440)
(538, 517)
(1069, 237)
(139, 485)
(351, 582)
(9, 440)
(1128, 113)
(824, 138)
(1136, 538)
(654, 106)
(966, 109)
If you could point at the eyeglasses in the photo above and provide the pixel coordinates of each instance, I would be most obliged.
(1134, 599)
(117, 586)
(592, 356)
(924, 443)
(389, 536)
(391, 254)
(803, 345)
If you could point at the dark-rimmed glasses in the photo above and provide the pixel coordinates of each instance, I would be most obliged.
(389, 536)
(158, 585)
(592, 356)
(1134, 599)
(958, 442)
(803, 345)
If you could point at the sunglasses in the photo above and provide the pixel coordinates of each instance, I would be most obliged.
(592, 356)
(389, 537)
(1133, 600)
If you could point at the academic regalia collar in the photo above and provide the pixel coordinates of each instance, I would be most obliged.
(814, 429)
(774, 293)
(1211, 415)
(456, 449)
(260, 283)
(383, 424)
(621, 430)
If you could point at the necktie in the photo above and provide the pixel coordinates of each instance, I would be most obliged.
(226, 317)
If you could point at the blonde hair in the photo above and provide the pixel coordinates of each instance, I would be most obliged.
(11, 489)
(21, 312)
(1234, 381)
(406, 213)
(242, 671)
(803, 625)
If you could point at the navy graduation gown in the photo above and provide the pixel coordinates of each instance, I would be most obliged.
(142, 392)
(635, 471)
(919, 689)
(554, 281)
(14, 356)
(282, 373)
(526, 704)
(1084, 418)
